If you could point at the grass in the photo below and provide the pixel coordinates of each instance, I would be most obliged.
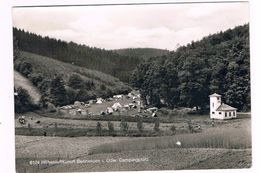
(48, 67)
(220, 139)
(90, 132)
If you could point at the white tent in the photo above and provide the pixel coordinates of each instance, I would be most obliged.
(118, 96)
(99, 102)
(109, 110)
(154, 115)
(116, 106)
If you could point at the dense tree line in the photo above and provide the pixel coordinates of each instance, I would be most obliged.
(143, 53)
(186, 77)
(102, 60)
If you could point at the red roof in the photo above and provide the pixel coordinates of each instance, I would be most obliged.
(225, 107)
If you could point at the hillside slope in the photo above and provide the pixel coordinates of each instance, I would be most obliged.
(21, 81)
(219, 63)
(94, 58)
(49, 67)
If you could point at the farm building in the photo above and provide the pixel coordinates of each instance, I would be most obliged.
(219, 110)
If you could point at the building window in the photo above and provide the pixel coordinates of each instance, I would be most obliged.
(219, 113)
(225, 114)
(230, 114)
(213, 112)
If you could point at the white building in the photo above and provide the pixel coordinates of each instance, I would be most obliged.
(219, 110)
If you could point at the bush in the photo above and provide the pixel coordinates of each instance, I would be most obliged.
(51, 107)
(35, 78)
(103, 87)
(110, 127)
(23, 102)
(173, 129)
(157, 125)
(140, 125)
(24, 68)
(44, 86)
(29, 127)
(124, 126)
(76, 82)
(99, 128)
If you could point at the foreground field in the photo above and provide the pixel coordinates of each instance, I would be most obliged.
(226, 145)
(58, 147)
(164, 159)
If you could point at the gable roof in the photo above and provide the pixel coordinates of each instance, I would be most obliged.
(225, 107)
(215, 95)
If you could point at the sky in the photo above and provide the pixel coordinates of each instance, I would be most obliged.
(131, 26)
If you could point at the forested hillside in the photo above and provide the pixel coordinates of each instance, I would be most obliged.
(102, 60)
(143, 53)
(61, 83)
(217, 63)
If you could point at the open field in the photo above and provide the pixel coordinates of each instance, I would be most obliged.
(230, 139)
(46, 122)
(164, 159)
(58, 147)
(84, 127)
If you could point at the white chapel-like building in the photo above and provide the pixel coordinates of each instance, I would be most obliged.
(219, 110)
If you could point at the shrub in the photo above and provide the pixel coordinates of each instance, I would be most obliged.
(190, 128)
(140, 125)
(55, 126)
(23, 102)
(35, 78)
(110, 127)
(44, 86)
(51, 107)
(76, 82)
(156, 125)
(99, 128)
(173, 129)
(24, 68)
(29, 127)
(103, 87)
(124, 126)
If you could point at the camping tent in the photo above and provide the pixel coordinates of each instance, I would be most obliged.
(109, 110)
(116, 106)
(99, 102)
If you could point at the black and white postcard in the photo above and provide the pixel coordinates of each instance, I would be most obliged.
(151, 86)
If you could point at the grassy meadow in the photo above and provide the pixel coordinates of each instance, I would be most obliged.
(48, 67)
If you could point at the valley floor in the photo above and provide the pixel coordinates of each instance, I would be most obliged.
(163, 159)
(156, 152)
